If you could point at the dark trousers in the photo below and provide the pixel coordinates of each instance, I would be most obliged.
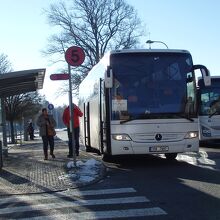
(48, 140)
(31, 135)
(76, 138)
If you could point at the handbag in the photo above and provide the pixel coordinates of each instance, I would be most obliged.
(51, 131)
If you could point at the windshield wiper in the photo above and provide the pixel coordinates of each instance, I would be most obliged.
(131, 119)
(136, 118)
(213, 113)
(127, 120)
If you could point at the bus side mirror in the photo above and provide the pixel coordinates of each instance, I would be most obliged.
(205, 74)
(108, 78)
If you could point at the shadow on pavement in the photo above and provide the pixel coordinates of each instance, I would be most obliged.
(13, 178)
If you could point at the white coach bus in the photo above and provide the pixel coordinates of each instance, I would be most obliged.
(209, 111)
(141, 102)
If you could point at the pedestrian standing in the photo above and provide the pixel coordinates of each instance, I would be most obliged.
(47, 126)
(31, 130)
(66, 120)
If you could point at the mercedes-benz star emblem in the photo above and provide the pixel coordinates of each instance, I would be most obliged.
(158, 137)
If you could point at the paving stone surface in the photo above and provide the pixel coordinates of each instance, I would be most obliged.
(25, 170)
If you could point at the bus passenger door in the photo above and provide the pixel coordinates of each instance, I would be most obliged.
(101, 115)
(86, 125)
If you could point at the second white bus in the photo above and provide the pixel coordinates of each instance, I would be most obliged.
(209, 111)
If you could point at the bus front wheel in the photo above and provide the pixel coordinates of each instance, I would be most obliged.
(171, 156)
(107, 157)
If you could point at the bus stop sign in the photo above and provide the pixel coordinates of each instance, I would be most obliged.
(59, 76)
(74, 56)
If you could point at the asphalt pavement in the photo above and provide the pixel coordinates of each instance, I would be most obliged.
(25, 171)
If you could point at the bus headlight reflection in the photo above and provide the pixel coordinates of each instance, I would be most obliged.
(191, 134)
(121, 137)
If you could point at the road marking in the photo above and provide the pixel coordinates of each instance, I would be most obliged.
(68, 193)
(75, 203)
(125, 213)
(70, 205)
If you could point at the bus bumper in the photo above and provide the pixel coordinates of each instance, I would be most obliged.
(131, 147)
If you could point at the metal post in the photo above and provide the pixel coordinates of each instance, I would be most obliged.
(71, 116)
(1, 160)
(4, 123)
(155, 41)
(25, 126)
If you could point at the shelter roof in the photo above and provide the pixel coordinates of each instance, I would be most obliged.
(15, 83)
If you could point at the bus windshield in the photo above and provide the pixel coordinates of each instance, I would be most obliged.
(152, 85)
(210, 101)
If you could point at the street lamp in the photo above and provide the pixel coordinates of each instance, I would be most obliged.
(154, 41)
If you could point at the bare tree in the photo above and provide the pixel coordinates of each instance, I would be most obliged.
(5, 65)
(95, 25)
(21, 106)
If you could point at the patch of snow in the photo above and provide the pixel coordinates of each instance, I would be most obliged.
(84, 171)
(187, 158)
(70, 175)
(70, 164)
(78, 163)
(92, 162)
(86, 178)
(198, 159)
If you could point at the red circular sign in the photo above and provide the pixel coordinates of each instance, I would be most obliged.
(74, 56)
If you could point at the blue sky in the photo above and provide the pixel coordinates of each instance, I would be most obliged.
(193, 25)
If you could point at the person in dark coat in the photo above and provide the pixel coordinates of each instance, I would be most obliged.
(31, 131)
(46, 125)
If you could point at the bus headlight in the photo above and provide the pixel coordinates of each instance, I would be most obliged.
(121, 137)
(191, 134)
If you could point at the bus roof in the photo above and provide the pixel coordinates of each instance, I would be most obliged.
(212, 77)
(215, 81)
(148, 51)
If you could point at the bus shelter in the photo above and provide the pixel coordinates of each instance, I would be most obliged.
(15, 83)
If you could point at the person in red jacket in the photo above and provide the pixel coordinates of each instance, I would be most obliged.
(66, 120)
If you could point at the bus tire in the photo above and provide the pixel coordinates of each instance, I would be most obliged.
(93, 150)
(107, 157)
(88, 148)
(171, 156)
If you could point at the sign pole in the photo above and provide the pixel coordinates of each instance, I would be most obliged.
(74, 56)
(71, 116)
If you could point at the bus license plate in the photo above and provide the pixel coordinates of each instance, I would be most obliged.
(158, 149)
